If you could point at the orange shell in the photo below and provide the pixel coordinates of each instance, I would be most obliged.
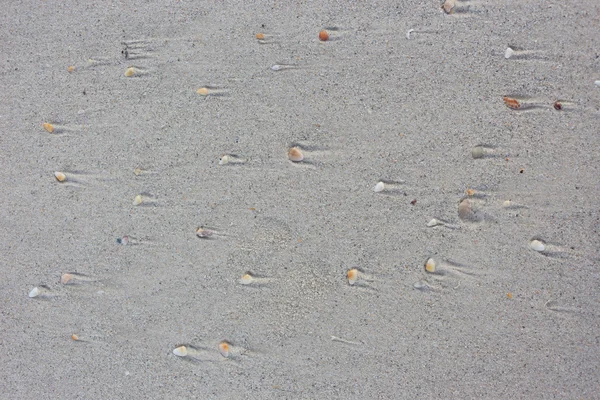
(295, 155)
(260, 36)
(48, 127)
(323, 36)
(512, 103)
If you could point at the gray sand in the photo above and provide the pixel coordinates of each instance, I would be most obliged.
(368, 105)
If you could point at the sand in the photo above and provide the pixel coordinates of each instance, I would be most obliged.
(496, 319)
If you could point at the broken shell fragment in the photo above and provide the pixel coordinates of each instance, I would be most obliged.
(448, 6)
(465, 210)
(537, 245)
(204, 233)
(379, 187)
(478, 152)
(130, 72)
(430, 266)
(66, 278)
(202, 91)
(512, 103)
(508, 53)
(260, 36)
(434, 222)
(35, 292)
(295, 154)
(247, 279)
(225, 349)
(352, 276)
(138, 200)
(180, 351)
(61, 177)
(48, 127)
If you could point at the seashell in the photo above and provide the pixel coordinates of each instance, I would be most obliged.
(537, 245)
(71, 68)
(295, 154)
(478, 152)
(448, 6)
(180, 351)
(352, 276)
(66, 278)
(557, 105)
(323, 36)
(465, 210)
(260, 36)
(48, 127)
(276, 67)
(202, 91)
(508, 53)
(35, 292)
(421, 285)
(434, 222)
(138, 200)
(204, 233)
(430, 266)
(61, 177)
(597, 83)
(224, 159)
(137, 171)
(379, 187)
(225, 348)
(130, 72)
(512, 103)
(74, 337)
(247, 279)
(408, 33)
(470, 192)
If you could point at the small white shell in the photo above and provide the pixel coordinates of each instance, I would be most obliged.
(408, 33)
(508, 53)
(379, 187)
(35, 292)
(478, 152)
(138, 200)
(276, 67)
(247, 279)
(180, 351)
(434, 222)
(224, 160)
(421, 285)
(537, 245)
(597, 83)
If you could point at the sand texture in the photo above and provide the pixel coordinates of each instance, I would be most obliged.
(145, 155)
